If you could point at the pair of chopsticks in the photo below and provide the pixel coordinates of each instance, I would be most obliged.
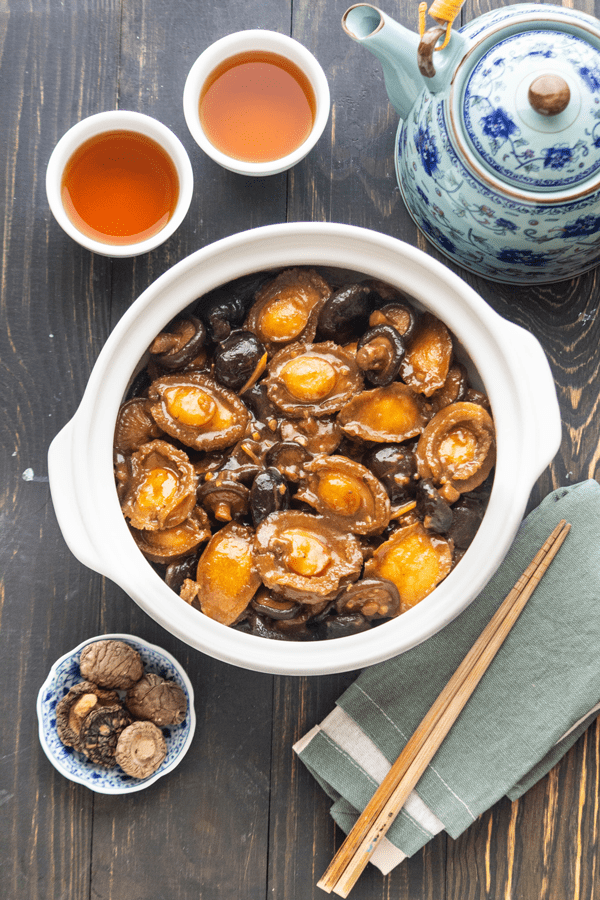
(387, 801)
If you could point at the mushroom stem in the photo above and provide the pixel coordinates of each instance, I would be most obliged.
(373, 355)
(260, 368)
(222, 512)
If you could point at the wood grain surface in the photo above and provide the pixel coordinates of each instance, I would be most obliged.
(240, 818)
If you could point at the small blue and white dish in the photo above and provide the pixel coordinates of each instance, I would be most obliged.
(77, 767)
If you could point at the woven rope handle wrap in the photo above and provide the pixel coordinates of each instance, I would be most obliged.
(444, 12)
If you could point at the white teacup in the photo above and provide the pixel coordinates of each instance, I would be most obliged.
(243, 42)
(103, 123)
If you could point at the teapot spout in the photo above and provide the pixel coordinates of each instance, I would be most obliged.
(394, 46)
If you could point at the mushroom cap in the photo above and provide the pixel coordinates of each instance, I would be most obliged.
(155, 699)
(100, 732)
(140, 750)
(111, 664)
(179, 343)
(75, 706)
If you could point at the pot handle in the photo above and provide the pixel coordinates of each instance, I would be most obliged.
(541, 409)
(61, 477)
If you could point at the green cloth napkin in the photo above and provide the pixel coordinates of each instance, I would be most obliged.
(538, 696)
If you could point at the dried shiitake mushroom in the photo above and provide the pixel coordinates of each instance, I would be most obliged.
(100, 732)
(158, 700)
(140, 749)
(74, 708)
(111, 664)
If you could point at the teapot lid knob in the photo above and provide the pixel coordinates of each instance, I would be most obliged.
(549, 94)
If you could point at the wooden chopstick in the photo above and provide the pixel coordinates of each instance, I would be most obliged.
(387, 801)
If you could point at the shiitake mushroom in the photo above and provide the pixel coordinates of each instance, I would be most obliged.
(379, 353)
(135, 425)
(289, 458)
(269, 493)
(179, 343)
(432, 509)
(224, 308)
(236, 359)
(345, 313)
(224, 497)
(373, 598)
(395, 465)
(400, 316)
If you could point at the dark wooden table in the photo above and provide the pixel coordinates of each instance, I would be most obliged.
(240, 818)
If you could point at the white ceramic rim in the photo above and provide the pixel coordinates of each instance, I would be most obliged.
(131, 638)
(510, 361)
(119, 120)
(240, 42)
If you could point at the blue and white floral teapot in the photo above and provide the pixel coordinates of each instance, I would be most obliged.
(498, 149)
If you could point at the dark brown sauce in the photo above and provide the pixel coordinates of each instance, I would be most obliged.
(257, 107)
(120, 187)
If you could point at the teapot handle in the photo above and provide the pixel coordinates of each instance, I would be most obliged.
(425, 50)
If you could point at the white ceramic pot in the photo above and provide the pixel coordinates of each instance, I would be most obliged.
(511, 365)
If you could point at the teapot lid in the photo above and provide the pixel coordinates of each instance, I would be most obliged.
(529, 108)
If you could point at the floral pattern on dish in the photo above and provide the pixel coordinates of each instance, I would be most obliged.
(77, 767)
(505, 139)
(487, 232)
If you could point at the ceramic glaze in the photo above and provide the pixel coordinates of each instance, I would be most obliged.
(502, 359)
(496, 186)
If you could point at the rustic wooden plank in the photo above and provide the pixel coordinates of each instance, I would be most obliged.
(57, 63)
(203, 831)
(545, 845)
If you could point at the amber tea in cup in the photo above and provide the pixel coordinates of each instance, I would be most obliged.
(257, 106)
(120, 187)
